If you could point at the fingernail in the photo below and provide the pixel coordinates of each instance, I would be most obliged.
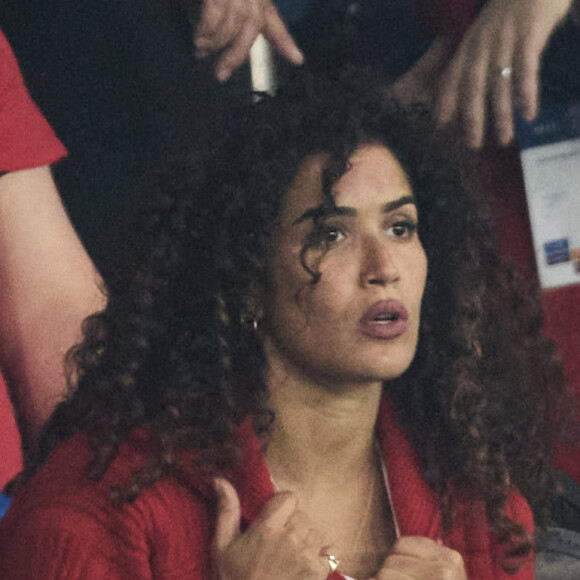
(474, 143)
(505, 140)
(222, 73)
(297, 56)
(218, 485)
(441, 120)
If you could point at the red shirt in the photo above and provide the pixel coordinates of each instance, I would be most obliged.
(60, 525)
(26, 140)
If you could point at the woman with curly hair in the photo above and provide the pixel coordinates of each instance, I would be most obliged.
(321, 366)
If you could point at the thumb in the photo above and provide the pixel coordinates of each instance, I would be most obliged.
(228, 514)
(436, 57)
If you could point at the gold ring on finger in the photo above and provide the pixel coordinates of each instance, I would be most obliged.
(333, 563)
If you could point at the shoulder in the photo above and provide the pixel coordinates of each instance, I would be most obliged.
(8, 65)
(63, 519)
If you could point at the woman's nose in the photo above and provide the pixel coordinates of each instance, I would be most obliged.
(378, 266)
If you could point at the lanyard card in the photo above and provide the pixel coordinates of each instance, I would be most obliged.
(550, 155)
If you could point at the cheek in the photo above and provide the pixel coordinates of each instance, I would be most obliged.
(420, 283)
(422, 273)
(299, 307)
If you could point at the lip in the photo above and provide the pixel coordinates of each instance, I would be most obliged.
(385, 319)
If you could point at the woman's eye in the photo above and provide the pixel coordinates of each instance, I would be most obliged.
(403, 229)
(327, 237)
(332, 236)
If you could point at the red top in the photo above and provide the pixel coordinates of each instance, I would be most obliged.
(63, 526)
(26, 140)
(10, 453)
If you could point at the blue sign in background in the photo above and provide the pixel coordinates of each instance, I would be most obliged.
(555, 123)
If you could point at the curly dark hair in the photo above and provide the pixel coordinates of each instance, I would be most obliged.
(173, 350)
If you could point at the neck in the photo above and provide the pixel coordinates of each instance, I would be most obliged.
(327, 432)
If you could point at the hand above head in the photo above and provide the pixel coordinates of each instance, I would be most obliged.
(280, 544)
(495, 69)
(419, 84)
(416, 558)
(229, 27)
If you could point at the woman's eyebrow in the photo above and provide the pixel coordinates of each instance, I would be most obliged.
(325, 211)
(397, 203)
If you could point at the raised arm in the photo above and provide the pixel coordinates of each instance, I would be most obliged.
(47, 281)
(49, 286)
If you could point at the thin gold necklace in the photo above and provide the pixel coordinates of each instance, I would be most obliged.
(363, 519)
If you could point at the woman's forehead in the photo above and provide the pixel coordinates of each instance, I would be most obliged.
(374, 175)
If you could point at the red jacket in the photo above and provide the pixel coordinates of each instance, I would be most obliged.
(62, 526)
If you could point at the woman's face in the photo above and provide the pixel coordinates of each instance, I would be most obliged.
(360, 322)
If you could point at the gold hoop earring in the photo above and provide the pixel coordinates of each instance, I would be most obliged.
(250, 321)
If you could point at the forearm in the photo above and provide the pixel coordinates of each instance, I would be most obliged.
(49, 286)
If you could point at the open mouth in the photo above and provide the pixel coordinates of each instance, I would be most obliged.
(387, 317)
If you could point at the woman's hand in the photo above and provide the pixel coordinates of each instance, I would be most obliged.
(280, 544)
(415, 558)
(229, 27)
(419, 84)
(508, 36)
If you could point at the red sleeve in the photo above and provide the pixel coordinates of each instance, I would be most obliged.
(26, 139)
(10, 451)
(64, 542)
(518, 510)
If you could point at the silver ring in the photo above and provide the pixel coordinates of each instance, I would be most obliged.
(506, 72)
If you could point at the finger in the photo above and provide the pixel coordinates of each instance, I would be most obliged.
(228, 514)
(237, 52)
(526, 76)
(472, 102)
(416, 546)
(228, 28)
(407, 567)
(276, 512)
(426, 549)
(501, 89)
(314, 539)
(410, 567)
(448, 97)
(276, 33)
(431, 63)
(212, 13)
(529, 51)
(299, 525)
(419, 83)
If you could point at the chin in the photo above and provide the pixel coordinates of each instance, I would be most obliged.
(371, 373)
